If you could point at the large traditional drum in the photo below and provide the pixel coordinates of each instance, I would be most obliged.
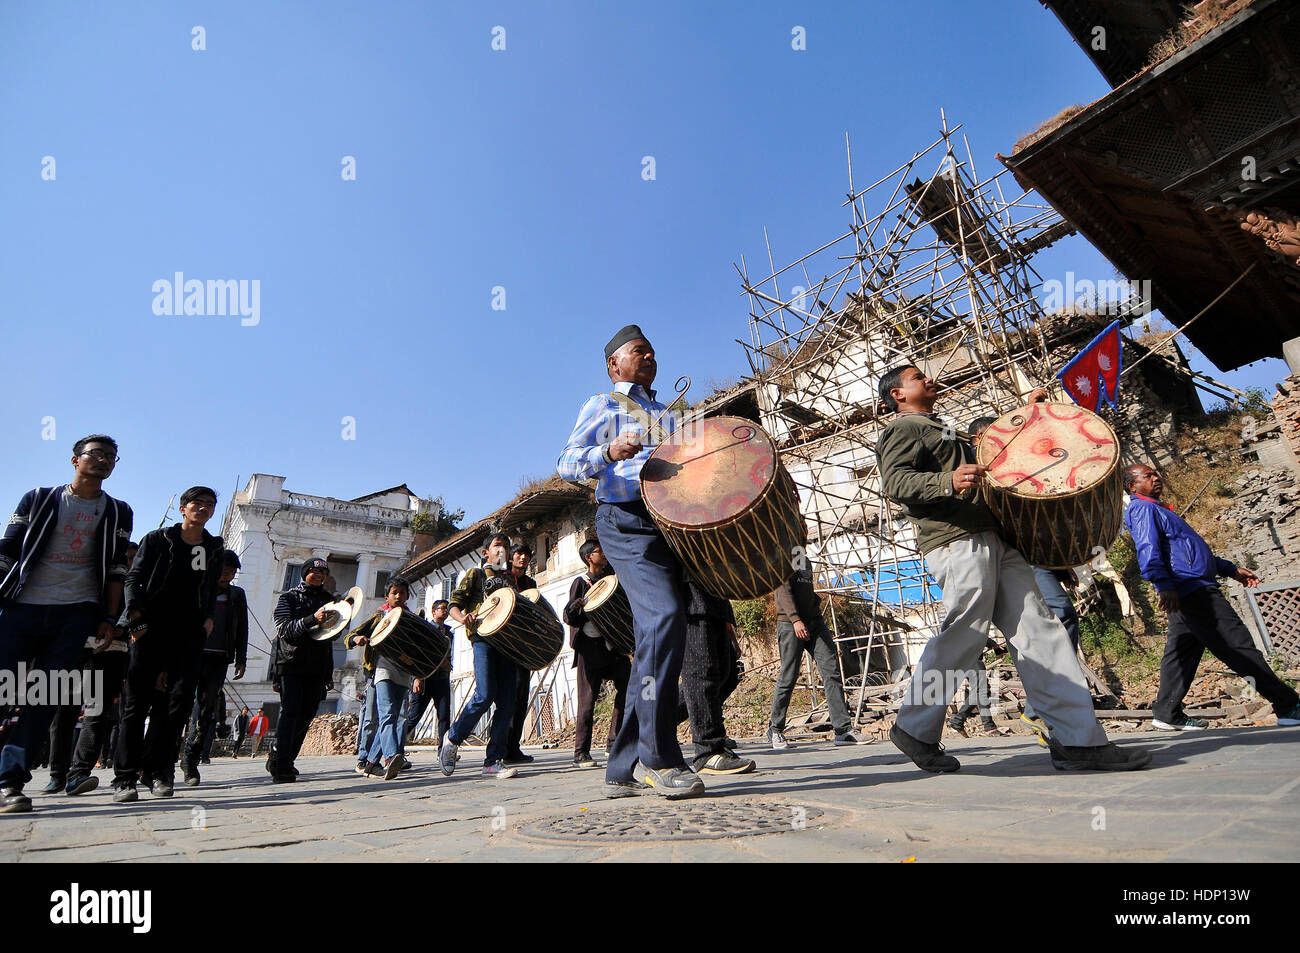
(606, 603)
(1054, 482)
(717, 491)
(523, 632)
(410, 643)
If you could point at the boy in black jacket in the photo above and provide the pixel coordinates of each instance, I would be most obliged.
(226, 644)
(304, 666)
(170, 593)
(593, 657)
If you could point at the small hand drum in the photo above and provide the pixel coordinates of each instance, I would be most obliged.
(525, 633)
(607, 605)
(1054, 482)
(340, 614)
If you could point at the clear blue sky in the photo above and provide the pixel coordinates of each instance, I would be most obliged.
(474, 169)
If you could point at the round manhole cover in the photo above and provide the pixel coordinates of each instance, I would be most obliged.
(694, 820)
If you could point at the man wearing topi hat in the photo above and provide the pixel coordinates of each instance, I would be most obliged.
(611, 441)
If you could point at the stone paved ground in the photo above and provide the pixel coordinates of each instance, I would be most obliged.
(1224, 795)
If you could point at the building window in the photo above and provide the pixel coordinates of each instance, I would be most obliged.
(381, 583)
(292, 576)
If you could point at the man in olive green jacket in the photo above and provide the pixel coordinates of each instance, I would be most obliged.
(926, 467)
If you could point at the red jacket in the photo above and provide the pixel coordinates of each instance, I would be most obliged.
(259, 725)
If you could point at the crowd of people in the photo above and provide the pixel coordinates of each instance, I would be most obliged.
(161, 623)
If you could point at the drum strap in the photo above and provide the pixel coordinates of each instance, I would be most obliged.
(655, 433)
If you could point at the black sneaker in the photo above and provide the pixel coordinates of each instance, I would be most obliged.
(723, 762)
(162, 787)
(125, 793)
(55, 785)
(518, 757)
(191, 775)
(81, 785)
(1107, 757)
(1181, 723)
(14, 801)
(205, 761)
(392, 766)
(927, 757)
(283, 778)
(583, 759)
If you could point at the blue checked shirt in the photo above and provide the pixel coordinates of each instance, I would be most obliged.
(600, 421)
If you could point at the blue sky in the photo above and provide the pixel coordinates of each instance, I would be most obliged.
(475, 169)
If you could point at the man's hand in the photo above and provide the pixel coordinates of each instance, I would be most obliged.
(361, 640)
(1037, 395)
(967, 476)
(625, 446)
(239, 671)
(417, 686)
(1169, 601)
(801, 631)
(104, 636)
(207, 626)
(1247, 578)
(320, 614)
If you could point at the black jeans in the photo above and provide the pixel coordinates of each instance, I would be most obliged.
(97, 730)
(212, 675)
(439, 689)
(143, 700)
(300, 696)
(709, 675)
(523, 688)
(1206, 620)
(593, 670)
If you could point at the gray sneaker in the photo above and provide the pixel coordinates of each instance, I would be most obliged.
(626, 789)
(777, 740)
(161, 787)
(499, 770)
(125, 793)
(448, 755)
(672, 783)
(850, 738)
(724, 762)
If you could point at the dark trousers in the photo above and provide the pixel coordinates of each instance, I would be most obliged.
(182, 685)
(45, 638)
(821, 646)
(593, 672)
(1206, 620)
(212, 675)
(439, 691)
(97, 730)
(62, 727)
(240, 734)
(300, 696)
(153, 756)
(709, 676)
(523, 688)
(652, 578)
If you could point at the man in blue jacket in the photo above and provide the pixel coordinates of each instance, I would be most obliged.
(1174, 559)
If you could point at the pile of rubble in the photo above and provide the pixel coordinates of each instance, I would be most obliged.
(331, 734)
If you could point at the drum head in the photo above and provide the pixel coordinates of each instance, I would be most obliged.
(1048, 450)
(709, 472)
(354, 597)
(385, 626)
(532, 595)
(600, 591)
(495, 611)
(343, 613)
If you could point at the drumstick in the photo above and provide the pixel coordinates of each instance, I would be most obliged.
(681, 389)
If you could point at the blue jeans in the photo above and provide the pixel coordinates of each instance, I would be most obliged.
(494, 683)
(45, 638)
(652, 578)
(369, 722)
(388, 735)
(1058, 600)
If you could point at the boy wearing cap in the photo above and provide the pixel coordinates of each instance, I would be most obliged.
(170, 593)
(304, 665)
(611, 441)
